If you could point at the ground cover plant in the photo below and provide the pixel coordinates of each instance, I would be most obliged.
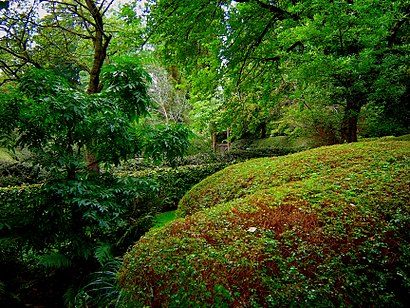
(324, 227)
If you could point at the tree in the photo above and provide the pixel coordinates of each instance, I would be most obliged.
(54, 40)
(349, 48)
(18, 26)
(350, 44)
(57, 120)
(209, 42)
(168, 96)
(75, 214)
(77, 218)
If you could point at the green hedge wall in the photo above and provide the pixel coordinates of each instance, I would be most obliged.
(15, 173)
(174, 182)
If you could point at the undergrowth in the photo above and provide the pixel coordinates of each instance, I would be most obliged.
(326, 227)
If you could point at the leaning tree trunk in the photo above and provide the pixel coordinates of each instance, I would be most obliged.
(349, 122)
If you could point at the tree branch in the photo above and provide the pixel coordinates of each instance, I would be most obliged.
(21, 57)
(106, 9)
(280, 13)
(253, 46)
(294, 45)
(58, 26)
(74, 9)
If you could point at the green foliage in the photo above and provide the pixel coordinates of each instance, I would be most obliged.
(4, 155)
(324, 61)
(56, 121)
(102, 290)
(324, 227)
(166, 142)
(173, 183)
(15, 173)
(125, 83)
(77, 217)
(163, 218)
(54, 260)
(315, 120)
(384, 121)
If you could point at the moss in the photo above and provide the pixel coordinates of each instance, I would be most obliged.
(324, 227)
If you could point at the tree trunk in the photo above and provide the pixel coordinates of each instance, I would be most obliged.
(101, 42)
(100, 52)
(213, 141)
(92, 163)
(263, 130)
(349, 123)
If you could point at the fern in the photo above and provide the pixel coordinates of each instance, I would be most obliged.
(75, 298)
(54, 260)
(103, 253)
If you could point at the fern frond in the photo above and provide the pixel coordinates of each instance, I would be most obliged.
(54, 260)
(103, 253)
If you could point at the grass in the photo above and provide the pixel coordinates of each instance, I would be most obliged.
(163, 218)
(325, 227)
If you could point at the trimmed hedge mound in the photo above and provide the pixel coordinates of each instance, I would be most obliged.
(324, 227)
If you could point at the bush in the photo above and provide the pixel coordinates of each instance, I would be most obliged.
(61, 228)
(173, 183)
(14, 173)
(245, 149)
(325, 227)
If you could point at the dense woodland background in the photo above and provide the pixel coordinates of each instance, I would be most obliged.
(110, 112)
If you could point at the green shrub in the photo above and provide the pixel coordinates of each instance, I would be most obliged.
(173, 183)
(326, 227)
(51, 232)
(241, 150)
(14, 173)
(244, 149)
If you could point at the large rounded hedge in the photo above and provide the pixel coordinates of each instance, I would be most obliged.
(325, 227)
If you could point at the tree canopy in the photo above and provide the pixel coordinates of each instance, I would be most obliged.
(357, 50)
